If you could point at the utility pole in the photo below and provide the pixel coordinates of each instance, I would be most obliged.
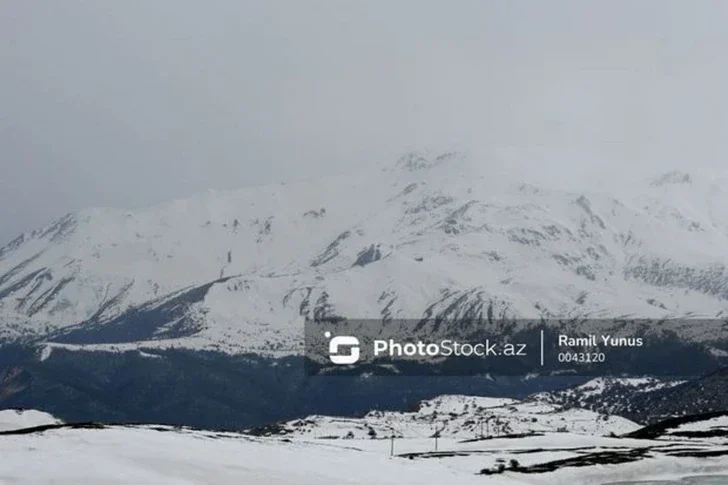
(437, 435)
(391, 446)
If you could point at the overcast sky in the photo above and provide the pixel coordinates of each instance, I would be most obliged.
(127, 103)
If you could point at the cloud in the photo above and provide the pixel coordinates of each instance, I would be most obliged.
(132, 103)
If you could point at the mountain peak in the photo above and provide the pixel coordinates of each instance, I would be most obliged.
(445, 235)
(423, 160)
(673, 177)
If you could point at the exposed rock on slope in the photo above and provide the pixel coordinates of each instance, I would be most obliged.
(439, 236)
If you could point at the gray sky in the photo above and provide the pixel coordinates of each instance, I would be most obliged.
(128, 103)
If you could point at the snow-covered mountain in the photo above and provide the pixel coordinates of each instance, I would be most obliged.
(428, 236)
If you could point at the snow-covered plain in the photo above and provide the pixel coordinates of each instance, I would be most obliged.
(559, 446)
(161, 455)
(431, 234)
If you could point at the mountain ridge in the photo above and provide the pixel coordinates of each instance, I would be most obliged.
(430, 235)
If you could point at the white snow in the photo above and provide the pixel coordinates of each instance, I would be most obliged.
(720, 422)
(12, 419)
(441, 223)
(464, 417)
(145, 455)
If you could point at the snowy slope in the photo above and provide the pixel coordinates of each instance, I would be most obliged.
(427, 236)
(143, 455)
(11, 419)
(464, 417)
(719, 423)
(606, 395)
(165, 455)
